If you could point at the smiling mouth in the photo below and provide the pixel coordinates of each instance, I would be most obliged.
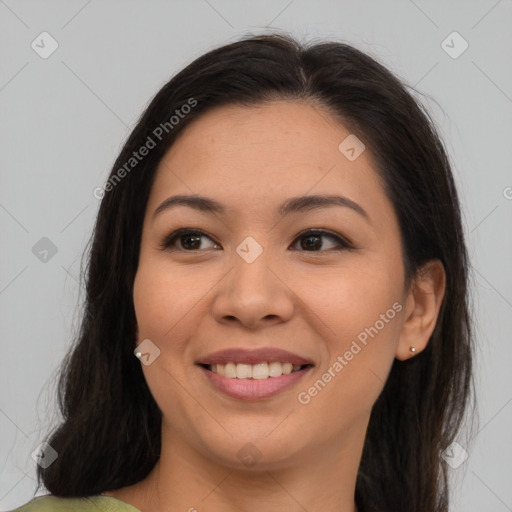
(258, 371)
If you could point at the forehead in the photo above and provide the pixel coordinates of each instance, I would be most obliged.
(255, 157)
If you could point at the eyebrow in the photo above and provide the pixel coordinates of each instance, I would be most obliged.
(291, 205)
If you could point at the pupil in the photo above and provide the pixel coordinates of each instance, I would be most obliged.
(316, 244)
(190, 237)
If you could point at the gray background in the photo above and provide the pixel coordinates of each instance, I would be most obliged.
(65, 117)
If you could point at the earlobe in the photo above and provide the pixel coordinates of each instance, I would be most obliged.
(422, 309)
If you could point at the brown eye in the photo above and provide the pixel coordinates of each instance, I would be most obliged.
(190, 240)
(311, 241)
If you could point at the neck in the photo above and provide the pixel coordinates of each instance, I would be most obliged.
(184, 479)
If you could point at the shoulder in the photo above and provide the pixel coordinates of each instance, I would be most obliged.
(51, 503)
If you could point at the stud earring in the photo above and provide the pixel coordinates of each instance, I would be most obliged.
(412, 349)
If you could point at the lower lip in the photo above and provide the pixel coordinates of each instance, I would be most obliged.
(253, 389)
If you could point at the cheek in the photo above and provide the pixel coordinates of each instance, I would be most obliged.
(162, 300)
(171, 307)
(358, 313)
(161, 314)
(352, 376)
(347, 301)
(164, 312)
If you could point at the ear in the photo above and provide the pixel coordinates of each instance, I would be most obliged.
(421, 310)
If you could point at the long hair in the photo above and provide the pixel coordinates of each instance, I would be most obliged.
(110, 433)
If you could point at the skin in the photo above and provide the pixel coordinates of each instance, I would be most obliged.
(313, 302)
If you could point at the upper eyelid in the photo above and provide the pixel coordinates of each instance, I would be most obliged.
(183, 231)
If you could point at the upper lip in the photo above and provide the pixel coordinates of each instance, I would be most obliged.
(253, 356)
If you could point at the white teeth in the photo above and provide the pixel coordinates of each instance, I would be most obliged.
(243, 371)
(275, 369)
(259, 371)
(287, 368)
(229, 370)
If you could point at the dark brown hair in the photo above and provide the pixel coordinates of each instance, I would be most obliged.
(110, 433)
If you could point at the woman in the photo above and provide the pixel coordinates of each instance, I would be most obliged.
(277, 310)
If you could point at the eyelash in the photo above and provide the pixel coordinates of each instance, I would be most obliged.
(169, 240)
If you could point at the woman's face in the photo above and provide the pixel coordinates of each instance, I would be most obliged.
(259, 280)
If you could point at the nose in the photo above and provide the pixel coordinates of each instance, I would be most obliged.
(254, 294)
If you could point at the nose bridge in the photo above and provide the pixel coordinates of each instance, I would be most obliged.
(252, 278)
(252, 291)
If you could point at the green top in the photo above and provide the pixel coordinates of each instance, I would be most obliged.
(51, 503)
